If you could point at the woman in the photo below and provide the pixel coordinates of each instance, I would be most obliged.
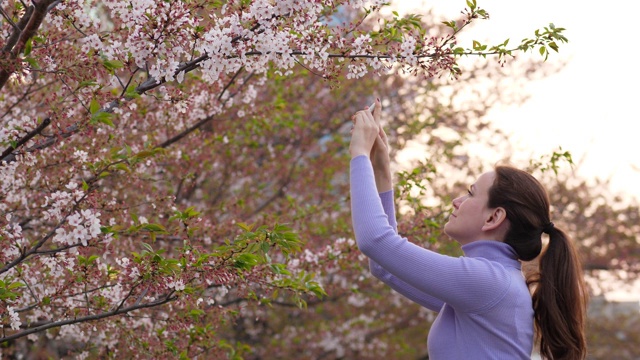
(485, 308)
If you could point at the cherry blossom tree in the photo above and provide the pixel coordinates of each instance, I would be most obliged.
(172, 171)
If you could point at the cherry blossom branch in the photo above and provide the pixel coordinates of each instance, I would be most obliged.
(53, 324)
(58, 249)
(33, 294)
(17, 30)
(153, 83)
(226, 87)
(8, 19)
(205, 120)
(69, 131)
(149, 84)
(135, 286)
(186, 132)
(88, 291)
(53, 5)
(26, 138)
(30, 29)
(189, 66)
(26, 93)
(25, 254)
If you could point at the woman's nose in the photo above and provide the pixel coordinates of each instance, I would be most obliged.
(457, 201)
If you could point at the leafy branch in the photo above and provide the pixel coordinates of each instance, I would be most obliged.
(53, 324)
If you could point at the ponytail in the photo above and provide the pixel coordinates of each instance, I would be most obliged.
(560, 300)
(559, 293)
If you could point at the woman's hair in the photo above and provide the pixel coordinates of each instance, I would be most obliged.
(559, 293)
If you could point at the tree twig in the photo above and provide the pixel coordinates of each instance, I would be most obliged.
(27, 137)
(118, 311)
(17, 31)
(39, 13)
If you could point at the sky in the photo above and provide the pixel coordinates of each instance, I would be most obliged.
(589, 107)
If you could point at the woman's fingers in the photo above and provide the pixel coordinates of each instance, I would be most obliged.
(364, 134)
(368, 119)
(364, 122)
(377, 109)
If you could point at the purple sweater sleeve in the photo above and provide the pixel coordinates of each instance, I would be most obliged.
(467, 284)
(395, 283)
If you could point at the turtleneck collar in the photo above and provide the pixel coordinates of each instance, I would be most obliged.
(492, 250)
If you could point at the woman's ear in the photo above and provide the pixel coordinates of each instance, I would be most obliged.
(496, 217)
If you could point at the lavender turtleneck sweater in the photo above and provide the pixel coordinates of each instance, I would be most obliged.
(483, 303)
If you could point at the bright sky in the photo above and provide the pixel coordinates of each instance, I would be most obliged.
(589, 107)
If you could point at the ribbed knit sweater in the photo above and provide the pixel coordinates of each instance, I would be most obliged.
(483, 303)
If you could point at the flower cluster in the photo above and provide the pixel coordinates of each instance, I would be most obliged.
(82, 227)
(16, 242)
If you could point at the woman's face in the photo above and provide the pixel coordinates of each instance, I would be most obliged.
(470, 211)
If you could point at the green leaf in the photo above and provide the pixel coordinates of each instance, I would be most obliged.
(103, 117)
(87, 83)
(191, 212)
(123, 167)
(245, 227)
(246, 261)
(94, 106)
(196, 313)
(451, 24)
(111, 65)
(15, 285)
(143, 154)
(28, 46)
(154, 228)
(31, 61)
(131, 93)
(471, 4)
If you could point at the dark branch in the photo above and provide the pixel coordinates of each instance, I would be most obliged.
(26, 93)
(27, 137)
(24, 255)
(70, 130)
(15, 35)
(200, 123)
(186, 132)
(119, 311)
(29, 31)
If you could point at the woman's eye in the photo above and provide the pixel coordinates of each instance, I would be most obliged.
(469, 191)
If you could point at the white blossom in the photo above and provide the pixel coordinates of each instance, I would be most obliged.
(14, 318)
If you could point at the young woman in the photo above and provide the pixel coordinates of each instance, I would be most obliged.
(484, 304)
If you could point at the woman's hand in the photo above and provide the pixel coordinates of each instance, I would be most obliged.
(380, 154)
(363, 142)
(364, 133)
(380, 151)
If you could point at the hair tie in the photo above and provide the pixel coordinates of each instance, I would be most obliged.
(547, 228)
